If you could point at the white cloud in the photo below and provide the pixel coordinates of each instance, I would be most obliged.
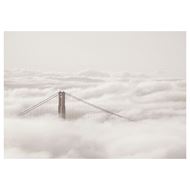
(155, 109)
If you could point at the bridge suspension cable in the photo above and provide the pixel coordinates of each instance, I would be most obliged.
(38, 104)
(95, 106)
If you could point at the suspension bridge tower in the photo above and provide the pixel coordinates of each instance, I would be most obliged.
(61, 104)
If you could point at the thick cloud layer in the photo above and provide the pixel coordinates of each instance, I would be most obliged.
(154, 109)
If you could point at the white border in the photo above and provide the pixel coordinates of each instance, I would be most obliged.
(86, 15)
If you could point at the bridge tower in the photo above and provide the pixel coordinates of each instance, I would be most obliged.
(61, 104)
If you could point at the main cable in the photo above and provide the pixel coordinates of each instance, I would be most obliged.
(38, 104)
(95, 106)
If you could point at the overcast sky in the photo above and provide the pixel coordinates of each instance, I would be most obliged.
(161, 53)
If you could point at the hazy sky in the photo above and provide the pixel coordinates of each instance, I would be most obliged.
(160, 53)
